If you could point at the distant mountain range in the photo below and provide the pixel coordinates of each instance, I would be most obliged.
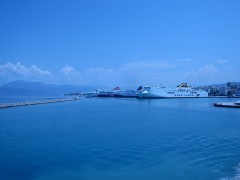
(27, 88)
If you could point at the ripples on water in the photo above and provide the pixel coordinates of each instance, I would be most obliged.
(95, 139)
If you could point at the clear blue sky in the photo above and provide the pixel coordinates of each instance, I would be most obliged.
(118, 42)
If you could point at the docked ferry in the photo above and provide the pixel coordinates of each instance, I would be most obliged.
(181, 91)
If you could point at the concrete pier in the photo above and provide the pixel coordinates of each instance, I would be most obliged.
(228, 104)
(9, 105)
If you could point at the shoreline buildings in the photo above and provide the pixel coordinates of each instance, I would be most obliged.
(231, 89)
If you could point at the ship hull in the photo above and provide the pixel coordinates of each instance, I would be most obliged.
(164, 97)
(105, 95)
(125, 96)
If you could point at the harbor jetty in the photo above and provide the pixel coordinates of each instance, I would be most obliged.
(10, 105)
(228, 104)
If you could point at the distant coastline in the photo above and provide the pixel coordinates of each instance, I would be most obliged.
(27, 88)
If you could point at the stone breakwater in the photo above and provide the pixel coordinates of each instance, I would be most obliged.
(9, 105)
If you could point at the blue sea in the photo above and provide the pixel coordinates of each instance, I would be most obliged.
(116, 139)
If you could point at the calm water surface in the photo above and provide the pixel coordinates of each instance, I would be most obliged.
(105, 139)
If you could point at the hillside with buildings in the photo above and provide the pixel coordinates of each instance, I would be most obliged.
(231, 89)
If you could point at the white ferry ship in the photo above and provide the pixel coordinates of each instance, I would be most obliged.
(181, 91)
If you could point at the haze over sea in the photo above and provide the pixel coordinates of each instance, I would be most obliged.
(105, 139)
